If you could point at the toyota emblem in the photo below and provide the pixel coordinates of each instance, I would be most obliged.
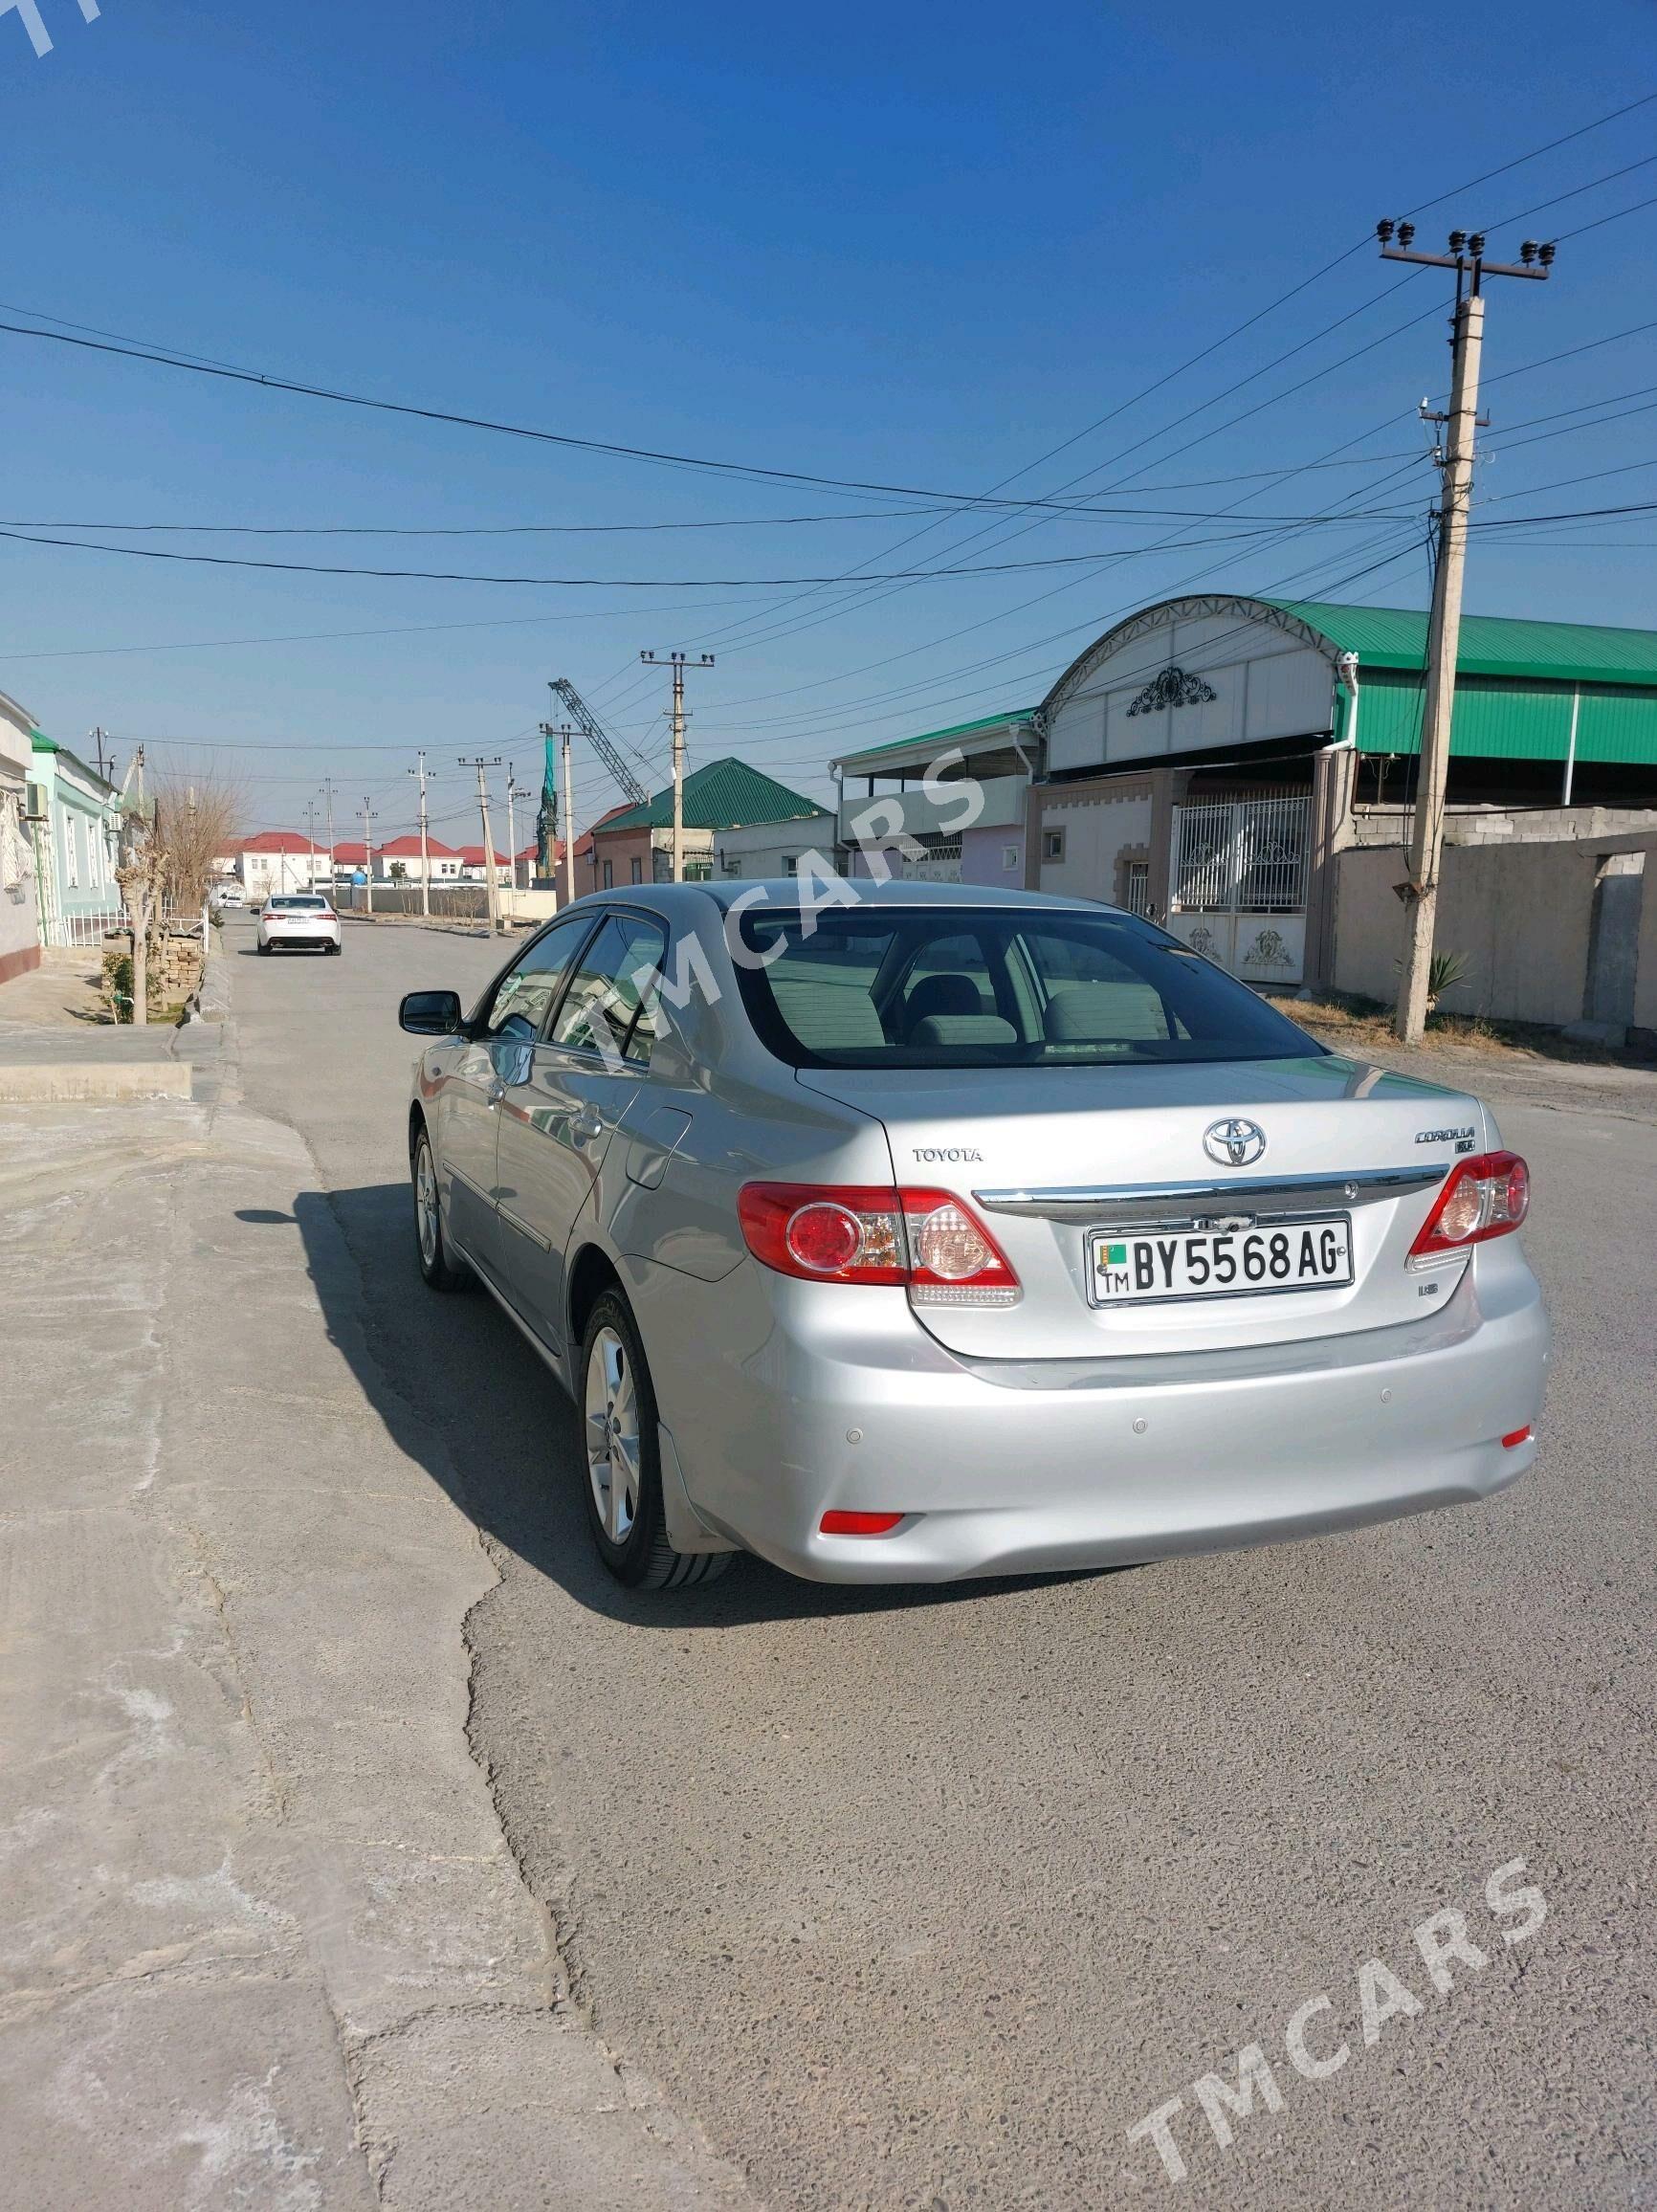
(1234, 1144)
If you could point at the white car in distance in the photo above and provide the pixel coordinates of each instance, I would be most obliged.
(298, 921)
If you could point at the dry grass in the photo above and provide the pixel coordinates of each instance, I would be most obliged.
(1353, 1024)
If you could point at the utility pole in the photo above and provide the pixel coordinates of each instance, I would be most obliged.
(311, 847)
(368, 814)
(1420, 893)
(329, 797)
(566, 734)
(97, 738)
(678, 661)
(425, 839)
(479, 763)
(513, 789)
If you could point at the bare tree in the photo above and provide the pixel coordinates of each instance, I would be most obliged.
(195, 821)
(139, 876)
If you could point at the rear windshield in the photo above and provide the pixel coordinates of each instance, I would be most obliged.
(309, 905)
(958, 988)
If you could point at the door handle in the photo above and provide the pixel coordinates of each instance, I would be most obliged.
(496, 1091)
(588, 1125)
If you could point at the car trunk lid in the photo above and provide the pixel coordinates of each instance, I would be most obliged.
(1049, 1158)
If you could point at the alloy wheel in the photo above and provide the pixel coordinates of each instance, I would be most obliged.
(426, 1204)
(612, 1435)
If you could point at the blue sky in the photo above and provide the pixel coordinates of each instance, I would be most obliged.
(919, 245)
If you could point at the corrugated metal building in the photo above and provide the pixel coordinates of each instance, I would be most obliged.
(1209, 755)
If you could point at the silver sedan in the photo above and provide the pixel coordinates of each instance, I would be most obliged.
(936, 1232)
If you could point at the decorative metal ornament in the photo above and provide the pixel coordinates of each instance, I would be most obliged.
(1173, 688)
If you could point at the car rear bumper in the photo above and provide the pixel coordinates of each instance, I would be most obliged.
(1015, 1467)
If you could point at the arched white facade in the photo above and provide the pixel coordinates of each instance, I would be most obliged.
(1190, 675)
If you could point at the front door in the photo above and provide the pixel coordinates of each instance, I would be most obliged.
(489, 1062)
(559, 1113)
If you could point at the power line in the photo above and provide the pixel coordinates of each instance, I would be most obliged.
(863, 598)
(583, 582)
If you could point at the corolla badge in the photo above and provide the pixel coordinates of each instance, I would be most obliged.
(1234, 1144)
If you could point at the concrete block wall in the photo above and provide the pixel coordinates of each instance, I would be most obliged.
(1525, 915)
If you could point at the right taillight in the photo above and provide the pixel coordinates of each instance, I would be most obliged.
(1483, 1197)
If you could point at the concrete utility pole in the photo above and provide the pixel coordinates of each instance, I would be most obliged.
(493, 888)
(368, 814)
(311, 847)
(1467, 258)
(328, 800)
(513, 789)
(678, 661)
(565, 736)
(425, 839)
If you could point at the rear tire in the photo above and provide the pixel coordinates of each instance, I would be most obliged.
(621, 1459)
(440, 1270)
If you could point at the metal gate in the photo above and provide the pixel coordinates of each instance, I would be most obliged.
(1238, 891)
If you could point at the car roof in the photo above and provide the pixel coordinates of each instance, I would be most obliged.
(680, 900)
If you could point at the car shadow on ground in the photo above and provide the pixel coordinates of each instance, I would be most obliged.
(461, 1391)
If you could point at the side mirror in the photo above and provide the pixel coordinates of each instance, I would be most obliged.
(431, 1013)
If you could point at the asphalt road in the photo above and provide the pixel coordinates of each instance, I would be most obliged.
(925, 1900)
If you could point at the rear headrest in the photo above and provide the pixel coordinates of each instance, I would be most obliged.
(962, 1029)
(1098, 1012)
(949, 993)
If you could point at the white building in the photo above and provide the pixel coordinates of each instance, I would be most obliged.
(761, 849)
(280, 860)
(19, 905)
(400, 860)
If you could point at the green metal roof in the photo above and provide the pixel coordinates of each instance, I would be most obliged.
(1490, 644)
(725, 794)
(856, 761)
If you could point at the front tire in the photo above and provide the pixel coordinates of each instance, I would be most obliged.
(622, 1459)
(440, 1270)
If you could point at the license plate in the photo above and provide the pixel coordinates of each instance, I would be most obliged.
(1128, 1268)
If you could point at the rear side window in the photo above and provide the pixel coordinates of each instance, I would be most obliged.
(1003, 987)
(610, 1005)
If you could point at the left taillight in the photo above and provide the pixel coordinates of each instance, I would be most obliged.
(928, 1241)
(1483, 1197)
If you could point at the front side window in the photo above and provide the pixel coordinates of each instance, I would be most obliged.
(912, 988)
(526, 991)
(611, 1007)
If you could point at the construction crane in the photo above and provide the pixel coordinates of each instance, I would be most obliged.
(603, 743)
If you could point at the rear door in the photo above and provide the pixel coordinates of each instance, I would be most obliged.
(563, 1100)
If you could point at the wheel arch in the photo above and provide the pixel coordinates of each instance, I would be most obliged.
(591, 1273)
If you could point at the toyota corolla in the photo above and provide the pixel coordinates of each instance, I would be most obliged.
(944, 1232)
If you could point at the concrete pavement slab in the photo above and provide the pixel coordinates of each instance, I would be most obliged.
(268, 1944)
